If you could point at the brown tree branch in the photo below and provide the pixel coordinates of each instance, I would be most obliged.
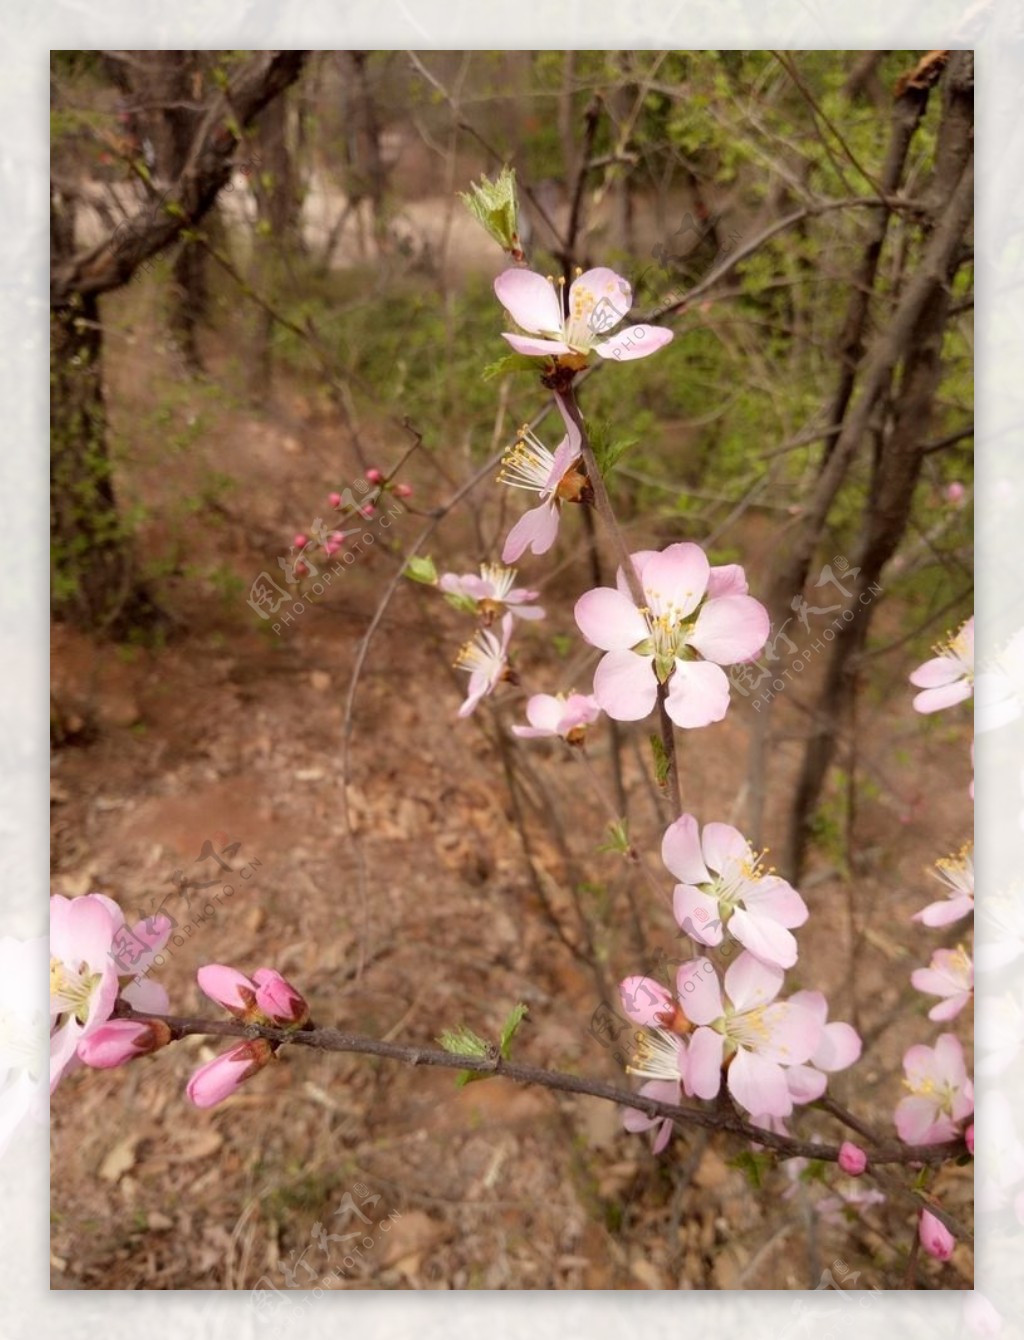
(112, 262)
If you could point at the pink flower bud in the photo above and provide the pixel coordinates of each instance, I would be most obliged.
(969, 1138)
(375, 476)
(121, 1040)
(337, 537)
(935, 1237)
(300, 541)
(278, 1000)
(367, 510)
(403, 490)
(334, 499)
(955, 492)
(301, 569)
(852, 1158)
(219, 1078)
(330, 548)
(230, 988)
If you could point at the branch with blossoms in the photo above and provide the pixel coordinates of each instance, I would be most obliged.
(725, 1037)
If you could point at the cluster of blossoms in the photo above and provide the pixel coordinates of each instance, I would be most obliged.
(89, 941)
(774, 1053)
(88, 945)
(326, 542)
(939, 1103)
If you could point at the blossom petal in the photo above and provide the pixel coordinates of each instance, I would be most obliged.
(699, 992)
(839, 1047)
(730, 629)
(697, 914)
(634, 342)
(728, 579)
(725, 848)
(610, 620)
(681, 851)
(535, 347)
(625, 686)
(934, 700)
(773, 897)
(530, 300)
(759, 1085)
(750, 983)
(764, 938)
(675, 580)
(698, 694)
(704, 1063)
(535, 530)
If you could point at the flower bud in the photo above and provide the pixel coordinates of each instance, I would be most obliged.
(219, 1078)
(334, 499)
(494, 205)
(375, 476)
(852, 1158)
(969, 1138)
(278, 1000)
(300, 541)
(935, 1237)
(230, 988)
(403, 490)
(121, 1040)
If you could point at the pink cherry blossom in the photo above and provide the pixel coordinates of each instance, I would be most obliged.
(680, 637)
(555, 477)
(122, 1040)
(957, 872)
(948, 678)
(218, 1079)
(486, 659)
(492, 593)
(555, 714)
(852, 1158)
(935, 1237)
(665, 1091)
(949, 975)
(722, 887)
(598, 301)
(941, 1094)
(278, 1001)
(760, 1034)
(83, 972)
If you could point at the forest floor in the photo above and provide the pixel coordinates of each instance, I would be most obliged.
(230, 735)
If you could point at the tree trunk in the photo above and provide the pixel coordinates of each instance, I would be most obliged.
(902, 449)
(93, 575)
(93, 579)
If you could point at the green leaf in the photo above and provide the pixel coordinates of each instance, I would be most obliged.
(511, 1027)
(462, 1041)
(510, 363)
(421, 570)
(607, 449)
(464, 604)
(494, 205)
(618, 839)
(661, 762)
